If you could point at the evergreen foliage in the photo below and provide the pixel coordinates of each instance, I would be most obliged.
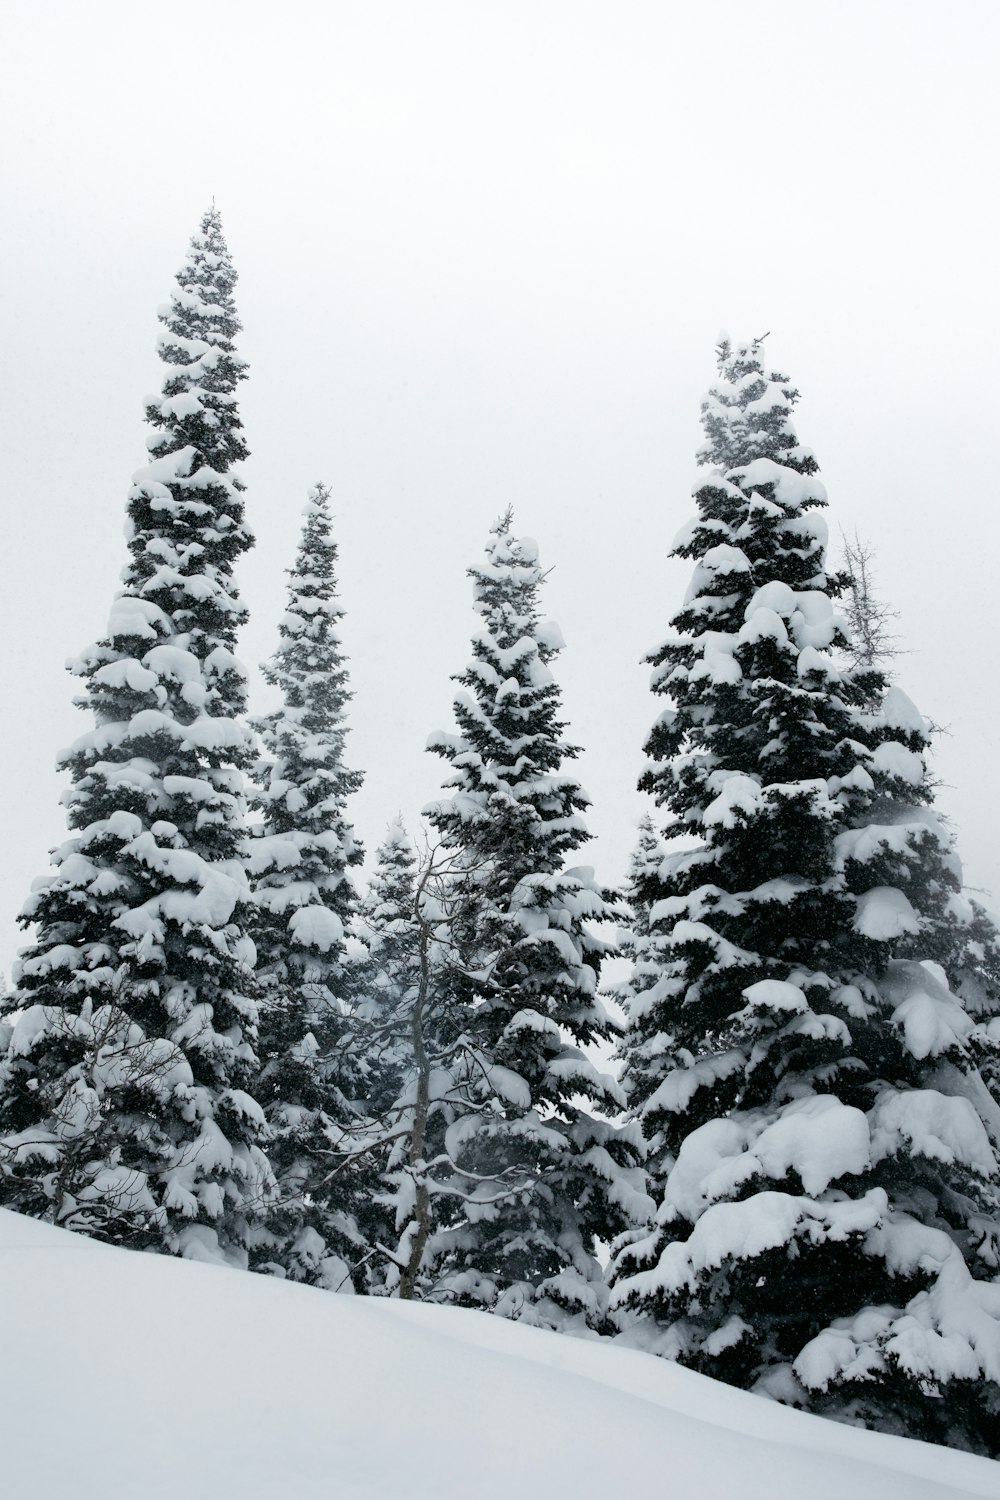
(644, 1051)
(388, 927)
(536, 1173)
(124, 1109)
(828, 1232)
(300, 860)
(811, 1063)
(388, 1007)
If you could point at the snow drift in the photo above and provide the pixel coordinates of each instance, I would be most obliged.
(125, 1375)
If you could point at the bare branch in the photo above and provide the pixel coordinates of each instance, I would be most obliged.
(874, 642)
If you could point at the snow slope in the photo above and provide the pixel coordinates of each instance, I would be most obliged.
(135, 1377)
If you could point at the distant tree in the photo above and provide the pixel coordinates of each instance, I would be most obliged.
(828, 1232)
(124, 1110)
(873, 641)
(536, 1173)
(388, 1157)
(388, 925)
(300, 860)
(387, 990)
(644, 1050)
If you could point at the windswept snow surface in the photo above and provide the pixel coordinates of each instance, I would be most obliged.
(125, 1375)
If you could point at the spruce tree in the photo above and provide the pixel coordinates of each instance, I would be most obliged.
(828, 1233)
(395, 1022)
(300, 860)
(538, 1173)
(124, 1109)
(644, 1050)
(387, 925)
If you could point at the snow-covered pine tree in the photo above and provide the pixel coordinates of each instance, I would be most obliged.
(828, 1233)
(123, 1103)
(644, 1050)
(300, 860)
(397, 1016)
(387, 925)
(538, 1173)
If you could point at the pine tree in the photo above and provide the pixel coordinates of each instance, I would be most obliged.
(388, 927)
(123, 1103)
(537, 1171)
(396, 1017)
(644, 1050)
(300, 860)
(829, 1231)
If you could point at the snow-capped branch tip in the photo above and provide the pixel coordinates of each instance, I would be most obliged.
(318, 500)
(503, 523)
(209, 236)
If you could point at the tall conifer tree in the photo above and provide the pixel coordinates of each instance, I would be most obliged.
(538, 1172)
(300, 859)
(828, 1232)
(123, 1103)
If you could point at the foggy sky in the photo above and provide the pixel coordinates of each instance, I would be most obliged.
(484, 252)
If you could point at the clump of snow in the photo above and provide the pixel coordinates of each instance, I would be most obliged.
(775, 994)
(928, 1123)
(549, 636)
(900, 712)
(817, 1137)
(885, 913)
(316, 927)
(893, 759)
(929, 1016)
(737, 797)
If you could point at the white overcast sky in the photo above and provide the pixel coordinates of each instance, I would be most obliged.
(485, 250)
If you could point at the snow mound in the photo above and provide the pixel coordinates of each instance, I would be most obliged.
(125, 1374)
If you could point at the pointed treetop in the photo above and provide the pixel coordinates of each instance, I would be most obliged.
(746, 415)
(318, 500)
(501, 526)
(395, 831)
(201, 316)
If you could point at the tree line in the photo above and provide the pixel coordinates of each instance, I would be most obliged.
(218, 1047)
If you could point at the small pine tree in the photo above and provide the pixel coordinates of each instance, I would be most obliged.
(538, 1173)
(387, 925)
(300, 860)
(408, 1082)
(644, 1051)
(124, 1109)
(828, 1232)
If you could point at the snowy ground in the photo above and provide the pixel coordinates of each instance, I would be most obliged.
(134, 1377)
